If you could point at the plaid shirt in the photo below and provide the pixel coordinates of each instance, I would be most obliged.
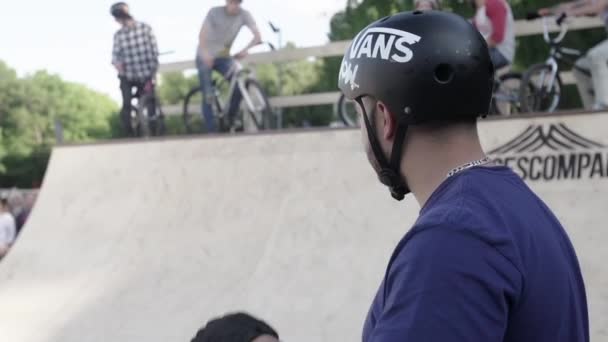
(135, 48)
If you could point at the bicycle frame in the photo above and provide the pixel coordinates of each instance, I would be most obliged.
(237, 77)
(558, 53)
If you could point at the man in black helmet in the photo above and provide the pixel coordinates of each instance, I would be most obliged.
(135, 57)
(486, 259)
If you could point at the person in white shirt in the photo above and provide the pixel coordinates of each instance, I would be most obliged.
(494, 20)
(7, 228)
(592, 88)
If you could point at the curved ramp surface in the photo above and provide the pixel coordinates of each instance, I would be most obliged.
(147, 241)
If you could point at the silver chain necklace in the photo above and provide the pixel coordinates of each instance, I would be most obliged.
(468, 165)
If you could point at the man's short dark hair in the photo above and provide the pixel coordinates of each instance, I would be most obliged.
(235, 327)
(118, 10)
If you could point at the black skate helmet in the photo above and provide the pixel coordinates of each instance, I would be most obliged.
(424, 66)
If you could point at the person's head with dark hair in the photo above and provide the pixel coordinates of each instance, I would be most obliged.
(120, 12)
(233, 6)
(236, 327)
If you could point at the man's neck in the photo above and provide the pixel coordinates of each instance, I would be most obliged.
(228, 12)
(427, 170)
(128, 23)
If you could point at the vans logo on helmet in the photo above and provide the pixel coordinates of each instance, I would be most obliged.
(348, 74)
(384, 43)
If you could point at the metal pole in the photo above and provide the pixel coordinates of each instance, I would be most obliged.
(280, 90)
(279, 34)
(58, 131)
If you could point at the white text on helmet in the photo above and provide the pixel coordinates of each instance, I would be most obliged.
(348, 74)
(385, 43)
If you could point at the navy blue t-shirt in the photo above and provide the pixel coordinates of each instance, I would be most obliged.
(485, 261)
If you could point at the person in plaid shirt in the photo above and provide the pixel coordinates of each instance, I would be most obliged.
(135, 57)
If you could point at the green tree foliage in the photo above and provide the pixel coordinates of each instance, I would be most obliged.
(298, 77)
(33, 108)
(175, 86)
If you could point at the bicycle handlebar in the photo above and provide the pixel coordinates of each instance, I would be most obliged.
(561, 19)
(270, 45)
(535, 15)
(274, 28)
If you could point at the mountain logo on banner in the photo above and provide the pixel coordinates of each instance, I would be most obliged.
(553, 152)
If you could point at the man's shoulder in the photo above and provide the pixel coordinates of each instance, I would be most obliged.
(468, 203)
(246, 15)
(143, 25)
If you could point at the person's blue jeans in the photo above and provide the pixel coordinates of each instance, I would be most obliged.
(498, 59)
(223, 66)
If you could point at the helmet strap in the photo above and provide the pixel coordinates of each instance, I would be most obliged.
(389, 173)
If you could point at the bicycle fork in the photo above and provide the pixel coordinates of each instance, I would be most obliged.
(245, 95)
(551, 62)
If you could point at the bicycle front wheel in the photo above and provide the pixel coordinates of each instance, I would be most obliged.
(259, 108)
(347, 112)
(194, 96)
(153, 123)
(540, 91)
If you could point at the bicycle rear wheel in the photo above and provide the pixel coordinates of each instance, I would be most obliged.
(194, 121)
(260, 111)
(348, 112)
(539, 91)
(194, 96)
(505, 98)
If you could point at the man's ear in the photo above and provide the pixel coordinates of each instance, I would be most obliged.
(388, 122)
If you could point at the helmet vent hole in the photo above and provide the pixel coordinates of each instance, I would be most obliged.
(417, 12)
(444, 73)
(384, 19)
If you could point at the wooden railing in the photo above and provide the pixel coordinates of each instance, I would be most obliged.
(333, 49)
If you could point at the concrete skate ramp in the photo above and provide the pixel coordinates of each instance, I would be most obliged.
(147, 241)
